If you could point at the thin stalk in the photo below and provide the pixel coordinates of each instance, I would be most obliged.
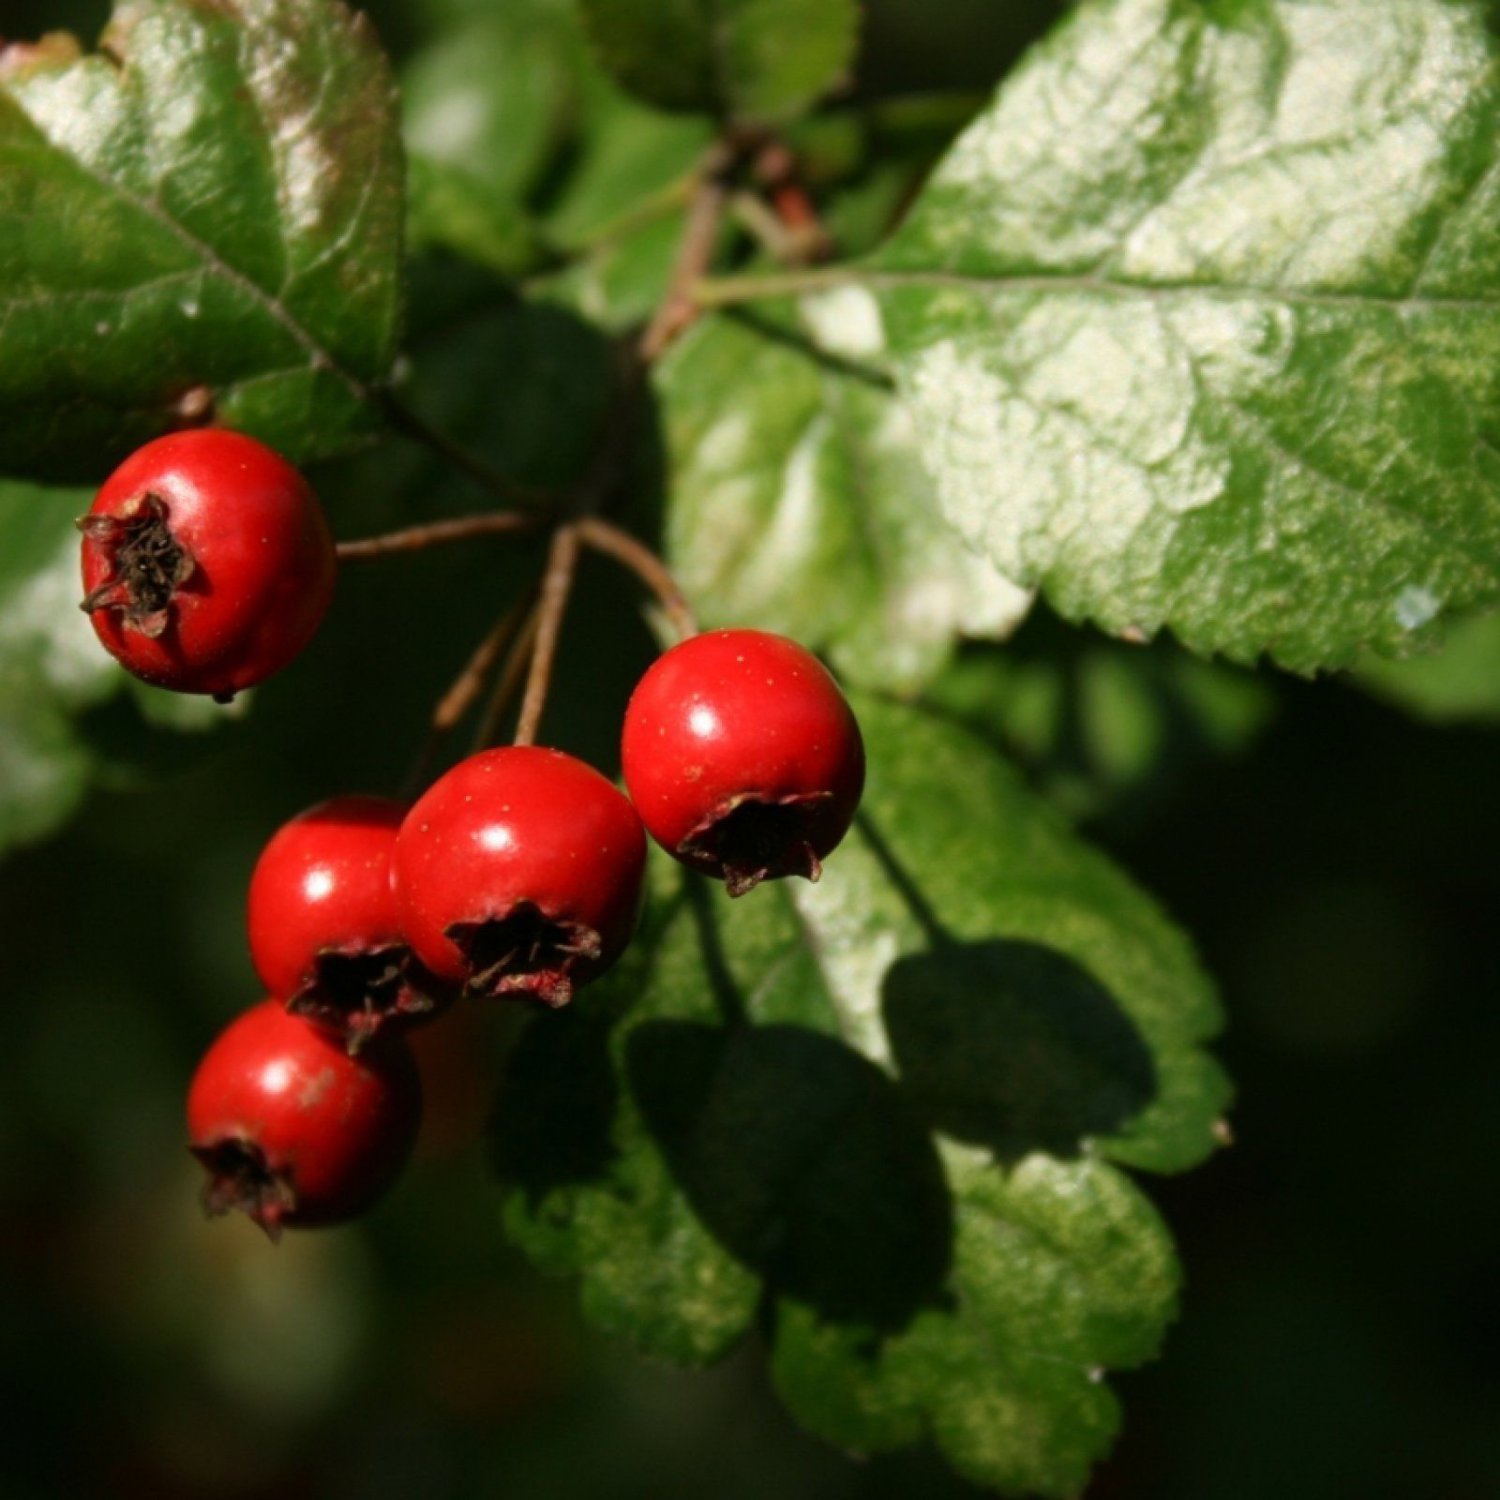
(435, 534)
(557, 587)
(615, 542)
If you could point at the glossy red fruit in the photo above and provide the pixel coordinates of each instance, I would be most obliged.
(207, 562)
(290, 1128)
(519, 873)
(742, 757)
(324, 933)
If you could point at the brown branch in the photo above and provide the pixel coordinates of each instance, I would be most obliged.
(557, 585)
(467, 686)
(436, 533)
(511, 675)
(695, 251)
(615, 542)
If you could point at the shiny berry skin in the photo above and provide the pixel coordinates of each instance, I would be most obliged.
(207, 562)
(742, 757)
(519, 873)
(324, 934)
(291, 1129)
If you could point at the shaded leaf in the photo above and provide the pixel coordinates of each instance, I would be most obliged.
(751, 59)
(1198, 323)
(883, 1112)
(1099, 725)
(797, 502)
(212, 200)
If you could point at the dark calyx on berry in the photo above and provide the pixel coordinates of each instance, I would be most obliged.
(147, 565)
(752, 839)
(356, 993)
(524, 953)
(239, 1177)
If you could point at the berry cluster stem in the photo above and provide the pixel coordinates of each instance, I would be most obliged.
(617, 543)
(436, 533)
(517, 660)
(557, 587)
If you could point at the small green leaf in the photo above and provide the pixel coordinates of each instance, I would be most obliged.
(749, 59)
(212, 200)
(494, 97)
(797, 502)
(1199, 324)
(1458, 685)
(620, 211)
(1100, 726)
(52, 668)
(448, 209)
(889, 1108)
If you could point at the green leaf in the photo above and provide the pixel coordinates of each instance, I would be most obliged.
(1098, 725)
(621, 208)
(448, 209)
(1459, 685)
(494, 97)
(53, 669)
(1199, 324)
(750, 59)
(212, 200)
(889, 1109)
(797, 501)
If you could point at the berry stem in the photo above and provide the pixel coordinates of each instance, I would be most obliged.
(416, 427)
(466, 687)
(459, 698)
(615, 542)
(436, 533)
(557, 586)
(509, 681)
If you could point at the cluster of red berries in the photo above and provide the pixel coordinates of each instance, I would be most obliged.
(519, 873)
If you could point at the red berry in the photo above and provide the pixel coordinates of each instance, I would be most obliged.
(742, 757)
(519, 872)
(207, 562)
(291, 1129)
(324, 934)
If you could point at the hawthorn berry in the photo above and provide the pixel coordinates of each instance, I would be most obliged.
(742, 757)
(324, 934)
(207, 562)
(291, 1129)
(519, 872)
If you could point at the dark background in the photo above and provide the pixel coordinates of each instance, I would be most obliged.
(1332, 858)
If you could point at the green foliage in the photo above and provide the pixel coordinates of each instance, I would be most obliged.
(798, 500)
(1192, 330)
(746, 59)
(213, 200)
(890, 1109)
(1102, 727)
(1460, 684)
(1197, 323)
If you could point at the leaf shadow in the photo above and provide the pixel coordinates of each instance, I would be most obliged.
(808, 1162)
(551, 1126)
(1014, 1047)
(1005, 1043)
(799, 1154)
